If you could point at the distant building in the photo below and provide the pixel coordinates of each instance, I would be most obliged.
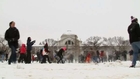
(72, 43)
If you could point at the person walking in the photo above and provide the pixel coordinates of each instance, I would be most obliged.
(12, 36)
(134, 38)
(29, 48)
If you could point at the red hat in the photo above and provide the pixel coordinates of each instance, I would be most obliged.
(64, 48)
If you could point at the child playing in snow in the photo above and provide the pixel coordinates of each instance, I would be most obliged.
(45, 53)
(60, 54)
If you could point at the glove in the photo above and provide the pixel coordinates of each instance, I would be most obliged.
(9, 40)
(34, 41)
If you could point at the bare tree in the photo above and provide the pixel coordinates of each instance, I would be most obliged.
(51, 42)
(109, 43)
(116, 43)
(94, 42)
(3, 45)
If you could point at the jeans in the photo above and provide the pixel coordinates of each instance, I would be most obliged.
(135, 47)
(13, 55)
(2, 58)
(44, 59)
(95, 59)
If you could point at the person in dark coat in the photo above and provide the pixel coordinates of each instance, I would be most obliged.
(134, 38)
(60, 54)
(29, 48)
(45, 54)
(12, 35)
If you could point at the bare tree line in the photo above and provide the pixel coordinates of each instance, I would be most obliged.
(95, 42)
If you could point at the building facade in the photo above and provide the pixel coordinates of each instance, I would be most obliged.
(72, 43)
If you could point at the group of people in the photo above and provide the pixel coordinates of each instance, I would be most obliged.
(12, 35)
(93, 56)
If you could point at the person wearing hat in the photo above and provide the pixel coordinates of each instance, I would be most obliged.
(60, 54)
(134, 38)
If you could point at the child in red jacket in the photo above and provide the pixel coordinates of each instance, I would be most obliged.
(22, 53)
(88, 58)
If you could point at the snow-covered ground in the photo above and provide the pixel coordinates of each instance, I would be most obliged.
(109, 70)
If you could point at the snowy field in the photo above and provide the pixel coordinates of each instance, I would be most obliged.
(109, 70)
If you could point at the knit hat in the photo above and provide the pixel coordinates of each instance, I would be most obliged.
(133, 18)
(64, 48)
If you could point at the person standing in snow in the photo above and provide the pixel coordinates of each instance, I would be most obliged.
(134, 38)
(60, 54)
(102, 56)
(12, 36)
(94, 55)
(29, 48)
(88, 57)
(22, 53)
(45, 54)
(98, 56)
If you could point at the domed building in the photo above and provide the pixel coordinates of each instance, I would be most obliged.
(72, 43)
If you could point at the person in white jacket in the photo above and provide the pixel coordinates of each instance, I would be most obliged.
(45, 53)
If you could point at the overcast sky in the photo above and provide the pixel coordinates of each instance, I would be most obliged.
(42, 19)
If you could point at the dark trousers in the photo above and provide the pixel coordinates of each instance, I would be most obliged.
(28, 57)
(22, 58)
(60, 59)
(13, 55)
(6, 57)
(44, 59)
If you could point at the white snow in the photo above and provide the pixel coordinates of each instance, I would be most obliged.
(108, 70)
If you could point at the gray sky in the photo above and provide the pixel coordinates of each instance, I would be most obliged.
(42, 19)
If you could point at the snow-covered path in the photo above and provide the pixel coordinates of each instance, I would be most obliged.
(109, 70)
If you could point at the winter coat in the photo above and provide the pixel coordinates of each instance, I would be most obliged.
(60, 52)
(46, 48)
(12, 35)
(134, 32)
(88, 55)
(29, 44)
(23, 49)
(102, 53)
(44, 52)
